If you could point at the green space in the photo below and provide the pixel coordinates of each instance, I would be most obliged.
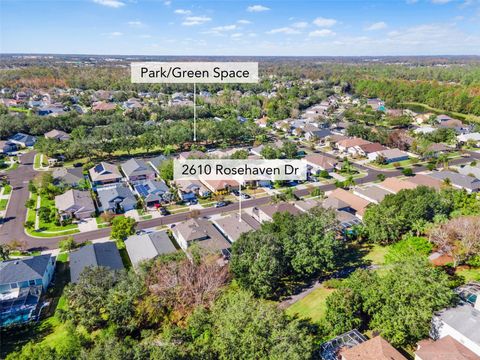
(469, 274)
(51, 226)
(419, 107)
(7, 189)
(3, 204)
(376, 254)
(312, 306)
(37, 161)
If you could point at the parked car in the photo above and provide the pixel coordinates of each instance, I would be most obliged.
(245, 196)
(163, 211)
(221, 204)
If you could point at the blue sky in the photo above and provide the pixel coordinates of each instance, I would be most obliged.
(281, 27)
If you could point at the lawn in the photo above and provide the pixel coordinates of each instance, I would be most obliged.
(3, 204)
(36, 161)
(51, 226)
(472, 274)
(376, 254)
(312, 306)
(7, 189)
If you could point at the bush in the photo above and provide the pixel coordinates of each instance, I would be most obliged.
(67, 244)
(407, 172)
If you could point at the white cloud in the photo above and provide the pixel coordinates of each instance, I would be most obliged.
(224, 28)
(136, 23)
(182, 12)
(324, 22)
(196, 20)
(284, 30)
(244, 22)
(441, 1)
(110, 3)
(321, 33)
(377, 26)
(113, 34)
(145, 36)
(257, 8)
(300, 25)
(237, 35)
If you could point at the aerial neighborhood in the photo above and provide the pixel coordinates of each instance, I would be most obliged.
(375, 255)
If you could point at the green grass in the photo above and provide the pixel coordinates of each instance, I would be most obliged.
(36, 161)
(312, 306)
(124, 255)
(41, 234)
(7, 189)
(51, 226)
(62, 257)
(472, 274)
(3, 204)
(376, 255)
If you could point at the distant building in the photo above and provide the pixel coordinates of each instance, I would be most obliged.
(23, 140)
(7, 147)
(390, 155)
(445, 348)
(319, 162)
(58, 135)
(469, 183)
(104, 173)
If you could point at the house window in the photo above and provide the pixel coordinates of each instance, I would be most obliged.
(13, 285)
(31, 282)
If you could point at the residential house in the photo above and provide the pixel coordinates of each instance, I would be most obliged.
(319, 135)
(372, 193)
(307, 205)
(7, 147)
(473, 138)
(153, 192)
(461, 323)
(104, 173)
(23, 140)
(22, 282)
(424, 180)
(367, 149)
(374, 349)
(390, 155)
(318, 162)
(103, 106)
(137, 170)
(68, 176)
(234, 225)
(435, 149)
(75, 204)
(118, 198)
(190, 189)
(332, 202)
(395, 185)
(355, 202)
(103, 254)
(469, 183)
(425, 130)
(446, 348)
(202, 232)
(58, 135)
(148, 246)
(332, 140)
(265, 212)
(347, 220)
(348, 146)
(220, 185)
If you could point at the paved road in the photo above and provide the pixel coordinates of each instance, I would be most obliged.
(13, 229)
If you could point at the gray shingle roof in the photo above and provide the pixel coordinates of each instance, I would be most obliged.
(464, 319)
(17, 270)
(136, 167)
(68, 176)
(115, 194)
(100, 254)
(461, 180)
(148, 246)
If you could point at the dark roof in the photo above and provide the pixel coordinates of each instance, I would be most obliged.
(98, 254)
(17, 270)
(136, 167)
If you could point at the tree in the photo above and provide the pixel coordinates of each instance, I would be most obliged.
(459, 237)
(107, 217)
(240, 327)
(4, 252)
(289, 248)
(290, 150)
(381, 177)
(398, 304)
(268, 152)
(395, 215)
(407, 172)
(87, 299)
(67, 244)
(410, 246)
(166, 170)
(122, 227)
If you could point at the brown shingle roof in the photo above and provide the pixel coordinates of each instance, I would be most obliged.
(395, 185)
(447, 348)
(373, 349)
(355, 202)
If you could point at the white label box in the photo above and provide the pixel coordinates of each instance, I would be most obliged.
(194, 72)
(239, 170)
